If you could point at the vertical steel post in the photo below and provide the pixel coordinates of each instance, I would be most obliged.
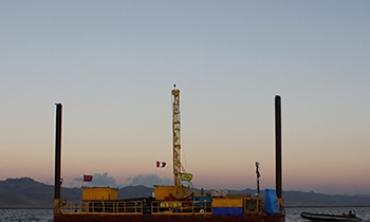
(58, 142)
(278, 145)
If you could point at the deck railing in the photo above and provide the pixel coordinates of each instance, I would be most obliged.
(104, 207)
(137, 207)
(186, 208)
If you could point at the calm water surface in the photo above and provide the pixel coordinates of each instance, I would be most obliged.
(292, 214)
(17, 215)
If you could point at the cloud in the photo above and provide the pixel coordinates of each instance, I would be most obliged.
(104, 180)
(99, 180)
(148, 180)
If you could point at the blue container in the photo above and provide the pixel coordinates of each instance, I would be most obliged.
(227, 210)
(271, 202)
(235, 210)
(219, 210)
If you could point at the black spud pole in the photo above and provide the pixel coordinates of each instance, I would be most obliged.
(278, 145)
(58, 142)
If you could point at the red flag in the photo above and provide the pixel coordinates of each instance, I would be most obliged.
(88, 178)
(161, 164)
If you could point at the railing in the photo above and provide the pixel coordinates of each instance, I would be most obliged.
(104, 207)
(137, 208)
(184, 208)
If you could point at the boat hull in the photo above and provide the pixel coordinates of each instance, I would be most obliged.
(166, 218)
(328, 217)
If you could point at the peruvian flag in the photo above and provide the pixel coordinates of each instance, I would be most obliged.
(88, 178)
(161, 164)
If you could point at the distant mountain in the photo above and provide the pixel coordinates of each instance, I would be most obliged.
(312, 199)
(27, 193)
(134, 192)
(298, 198)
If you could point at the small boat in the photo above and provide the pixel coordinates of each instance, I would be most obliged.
(317, 217)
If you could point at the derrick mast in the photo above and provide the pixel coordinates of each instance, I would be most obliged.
(176, 142)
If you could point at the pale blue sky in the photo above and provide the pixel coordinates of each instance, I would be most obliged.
(112, 65)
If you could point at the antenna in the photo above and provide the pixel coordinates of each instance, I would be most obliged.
(258, 177)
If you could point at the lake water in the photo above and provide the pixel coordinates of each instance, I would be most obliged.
(292, 214)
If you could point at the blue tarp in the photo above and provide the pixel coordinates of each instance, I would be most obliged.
(271, 202)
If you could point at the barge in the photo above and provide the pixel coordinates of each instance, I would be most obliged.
(171, 203)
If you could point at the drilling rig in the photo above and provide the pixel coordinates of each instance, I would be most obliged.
(176, 142)
(177, 191)
(179, 172)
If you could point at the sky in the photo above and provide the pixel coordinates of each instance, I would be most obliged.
(112, 64)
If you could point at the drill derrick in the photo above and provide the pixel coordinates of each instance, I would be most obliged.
(178, 193)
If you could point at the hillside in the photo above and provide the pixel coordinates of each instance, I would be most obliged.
(27, 193)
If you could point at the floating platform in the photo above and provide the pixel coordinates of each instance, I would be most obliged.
(170, 203)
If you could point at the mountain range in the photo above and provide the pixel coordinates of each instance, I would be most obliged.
(28, 193)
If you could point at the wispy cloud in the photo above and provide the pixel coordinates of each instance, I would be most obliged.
(148, 180)
(99, 180)
(104, 180)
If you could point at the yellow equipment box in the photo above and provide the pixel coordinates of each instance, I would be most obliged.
(253, 205)
(227, 202)
(161, 192)
(99, 193)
